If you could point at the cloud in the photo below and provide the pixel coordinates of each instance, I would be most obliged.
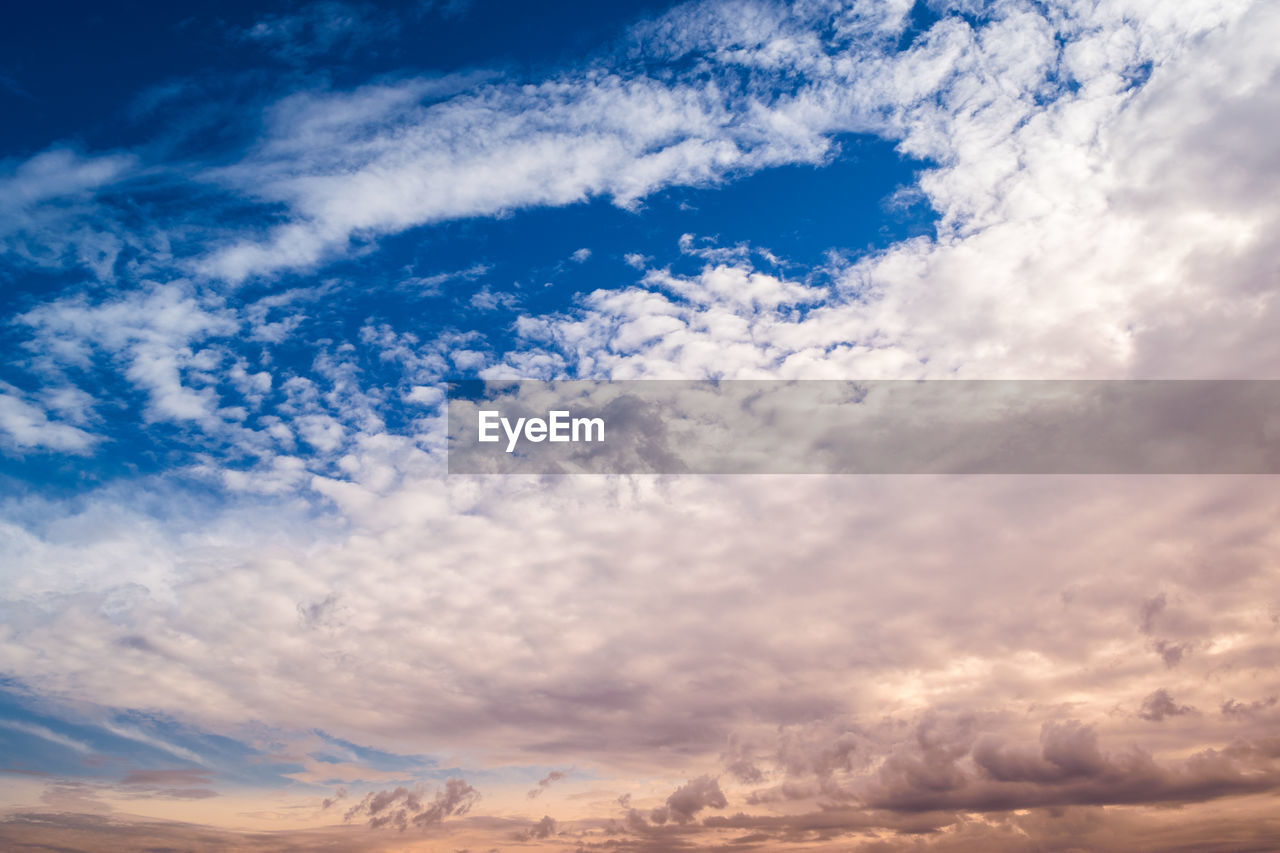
(321, 28)
(169, 784)
(56, 174)
(546, 782)
(153, 331)
(45, 733)
(24, 426)
(148, 739)
(403, 807)
(50, 214)
(1004, 289)
(1160, 705)
(692, 797)
(544, 828)
(391, 156)
(1247, 710)
(1068, 769)
(842, 656)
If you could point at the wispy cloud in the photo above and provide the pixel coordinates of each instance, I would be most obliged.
(321, 28)
(45, 733)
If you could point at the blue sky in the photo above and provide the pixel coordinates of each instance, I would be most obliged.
(243, 247)
(181, 99)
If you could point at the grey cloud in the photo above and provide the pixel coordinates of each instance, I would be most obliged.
(544, 828)
(1159, 705)
(148, 778)
(1068, 750)
(739, 760)
(1247, 710)
(181, 784)
(692, 797)
(88, 833)
(1151, 608)
(546, 782)
(402, 807)
(1170, 652)
(1069, 827)
(1069, 768)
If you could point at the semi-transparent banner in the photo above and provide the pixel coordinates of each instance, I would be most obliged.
(874, 427)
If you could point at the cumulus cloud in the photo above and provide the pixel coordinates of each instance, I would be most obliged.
(1069, 768)
(1004, 289)
(692, 797)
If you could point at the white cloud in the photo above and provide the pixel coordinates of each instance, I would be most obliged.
(48, 215)
(154, 330)
(320, 28)
(1064, 250)
(45, 733)
(57, 173)
(377, 160)
(26, 426)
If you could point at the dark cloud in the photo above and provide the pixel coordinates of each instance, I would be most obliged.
(740, 762)
(1068, 768)
(1078, 828)
(84, 833)
(1068, 751)
(1247, 710)
(544, 828)
(403, 807)
(329, 802)
(1170, 652)
(1150, 609)
(694, 796)
(546, 782)
(1160, 705)
(181, 784)
(152, 778)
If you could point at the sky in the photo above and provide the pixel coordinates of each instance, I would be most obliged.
(244, 247)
